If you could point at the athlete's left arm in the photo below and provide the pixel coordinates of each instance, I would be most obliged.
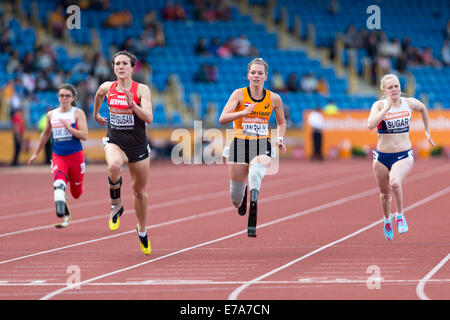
(145, 110)
(281, 119)
(418, 105)
(81, 130)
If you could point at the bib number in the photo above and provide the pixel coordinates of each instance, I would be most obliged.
(260, 129)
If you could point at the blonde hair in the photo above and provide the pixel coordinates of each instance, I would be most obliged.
(386, 77)
(258, 61)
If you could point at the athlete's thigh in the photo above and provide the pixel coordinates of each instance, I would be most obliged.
(113, 154)
(238, 171)
(263, 159)
(139, 173)
(60, 168)
(401, 168)
(381, 176)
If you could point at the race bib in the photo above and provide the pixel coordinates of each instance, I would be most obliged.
(121, 119)
(61, 134)
(260, 129)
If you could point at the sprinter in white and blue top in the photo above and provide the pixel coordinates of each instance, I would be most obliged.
(393, 159)
(67, 125)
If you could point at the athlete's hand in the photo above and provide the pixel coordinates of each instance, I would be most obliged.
(100, 120)
(66, 123)
(429, 139)
(281, 146)
(129, 97)
(33, 157)
(249, 109)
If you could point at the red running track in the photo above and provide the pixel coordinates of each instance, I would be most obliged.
(319, 236)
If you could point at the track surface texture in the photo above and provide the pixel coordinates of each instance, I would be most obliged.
(319, 237)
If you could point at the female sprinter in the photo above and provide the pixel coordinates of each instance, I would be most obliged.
(249, 155)
(67, 125)
(394, 158)
(130, 108)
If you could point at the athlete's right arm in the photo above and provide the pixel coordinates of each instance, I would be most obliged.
(99, 97)
(228, 113)
(45, 135)
(377, 114)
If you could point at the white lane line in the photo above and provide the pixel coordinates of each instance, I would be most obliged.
(329, 204)
(177, 282)
(234, 295)
(82, 204)
(200, 215)
(420, 289)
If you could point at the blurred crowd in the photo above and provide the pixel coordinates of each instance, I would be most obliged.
(396, 54)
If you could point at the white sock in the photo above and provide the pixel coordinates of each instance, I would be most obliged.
(388, 220)
(141, 234)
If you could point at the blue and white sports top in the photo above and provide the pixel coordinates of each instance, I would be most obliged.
(64, 143)
(397, 120)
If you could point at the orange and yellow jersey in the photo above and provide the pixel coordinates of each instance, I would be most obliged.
(256, 124)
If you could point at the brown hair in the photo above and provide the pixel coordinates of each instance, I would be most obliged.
(132, 57)
(71, 88)
(258, 61)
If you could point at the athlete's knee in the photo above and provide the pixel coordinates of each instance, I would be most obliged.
(140, 194)
(385, 196)
(76, 192)
(114, 168)
(237, 190)
(395, 184)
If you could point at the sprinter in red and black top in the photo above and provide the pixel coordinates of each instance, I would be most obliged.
(130, 108)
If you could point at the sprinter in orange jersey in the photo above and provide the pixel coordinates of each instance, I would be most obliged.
(394, 159)
(249, 155)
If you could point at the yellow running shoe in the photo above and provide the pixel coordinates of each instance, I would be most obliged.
(114, 220)
(144, 242)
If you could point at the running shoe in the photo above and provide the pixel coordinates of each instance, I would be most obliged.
(243, 207)
(252, 213)
(66, 220)
(401, 223)
(388, 231)
(114, 220)
(144, 242)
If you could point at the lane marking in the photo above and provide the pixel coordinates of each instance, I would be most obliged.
(234, 295)
(192, 217)
(238, 290)
(421, 285)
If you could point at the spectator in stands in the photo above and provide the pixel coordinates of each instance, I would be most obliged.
(447, 31)
(202, 74)
(119, 19)
(322, 87)
(293, 84)
(169, 11)
(57, 22)
(214, 45)
(277, 82)
(14, 64)
(201, 47)
(308, 83)
(242, 47)
(428, 59)
(333, 7)
(226, 49)
(446, 52)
